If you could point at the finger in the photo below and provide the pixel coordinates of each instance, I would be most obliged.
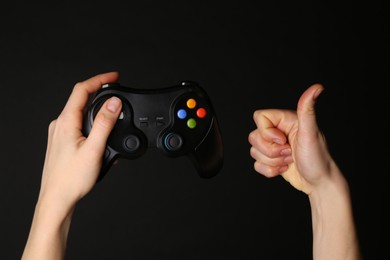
(80, 94)
(268, 121)
(275, 161)
(103, 124)
(306, 108)
(269, 171)
(270, 149)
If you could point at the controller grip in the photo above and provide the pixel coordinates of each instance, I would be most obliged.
(207, 157)
(109, 158)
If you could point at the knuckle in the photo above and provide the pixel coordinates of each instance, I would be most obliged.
(269, 152)
(252, 137)
(78, 85)
(273, 152)
(63, 124)
(264, 170)
(253, 152)
(52, 124)
(256, 114)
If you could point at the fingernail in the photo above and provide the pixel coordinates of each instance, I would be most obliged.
(317, 93)
(286, 151)
(278, 141)
(288, 159)
(113, 104)
(283, 169)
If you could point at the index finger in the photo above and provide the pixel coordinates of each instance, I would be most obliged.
(81, 91)
(272, 124)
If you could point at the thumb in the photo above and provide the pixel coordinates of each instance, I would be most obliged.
(306, 108)
(103, 124)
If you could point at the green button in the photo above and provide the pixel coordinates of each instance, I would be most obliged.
(191, 123)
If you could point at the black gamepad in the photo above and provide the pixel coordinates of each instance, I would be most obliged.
(177, 120)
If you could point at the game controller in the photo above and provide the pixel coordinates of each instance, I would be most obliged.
(177, 120)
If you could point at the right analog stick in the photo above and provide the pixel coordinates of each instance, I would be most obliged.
(173, 142)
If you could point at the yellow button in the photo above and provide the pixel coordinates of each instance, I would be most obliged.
(191, 103)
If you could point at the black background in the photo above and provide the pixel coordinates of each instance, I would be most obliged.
(247, 56)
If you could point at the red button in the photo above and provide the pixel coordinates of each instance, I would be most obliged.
(201, 112)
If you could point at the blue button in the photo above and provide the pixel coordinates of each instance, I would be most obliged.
(181, 114)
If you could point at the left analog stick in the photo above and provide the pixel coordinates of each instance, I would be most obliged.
(132, 143)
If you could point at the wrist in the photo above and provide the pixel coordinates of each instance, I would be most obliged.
(49, 232)
(334, 234)
(329, 199)
(51, 219)
(332, 188)
(58, 214)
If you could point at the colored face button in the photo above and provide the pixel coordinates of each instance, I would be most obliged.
(191, 123)
(201, 112)
(181, 114)
(191, 103)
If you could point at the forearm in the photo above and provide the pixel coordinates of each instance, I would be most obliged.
(334, 232)
(48, 233)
